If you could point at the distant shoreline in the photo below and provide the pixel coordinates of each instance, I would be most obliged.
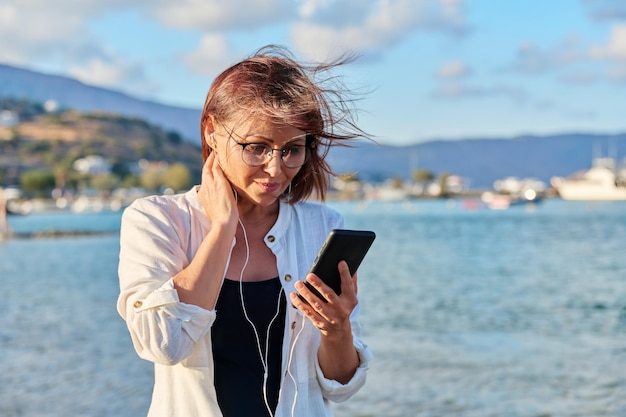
(53, 234)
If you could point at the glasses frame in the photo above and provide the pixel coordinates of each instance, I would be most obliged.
(309, 146)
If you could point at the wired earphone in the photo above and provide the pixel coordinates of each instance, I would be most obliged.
(263, 357)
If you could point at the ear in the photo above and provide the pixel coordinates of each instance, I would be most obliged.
(209, 130)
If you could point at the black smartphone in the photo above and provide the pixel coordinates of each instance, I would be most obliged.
(341, 244)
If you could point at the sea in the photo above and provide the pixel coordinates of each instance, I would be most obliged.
(469, 312)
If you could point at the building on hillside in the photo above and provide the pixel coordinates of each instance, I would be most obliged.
(92, 165)
(9, 118)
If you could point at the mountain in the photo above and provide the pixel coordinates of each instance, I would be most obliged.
(70, 93)
(481, 161)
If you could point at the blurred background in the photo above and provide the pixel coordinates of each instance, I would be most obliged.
(105, 97)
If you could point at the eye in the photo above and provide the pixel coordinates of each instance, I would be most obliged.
(294, 150)
(256, 149)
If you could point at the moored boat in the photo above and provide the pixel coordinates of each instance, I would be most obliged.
(603, 182)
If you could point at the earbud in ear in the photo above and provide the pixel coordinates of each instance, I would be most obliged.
(212, 144)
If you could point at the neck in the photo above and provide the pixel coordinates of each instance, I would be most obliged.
(250, 212)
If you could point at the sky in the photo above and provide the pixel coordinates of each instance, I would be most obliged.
(427, 69)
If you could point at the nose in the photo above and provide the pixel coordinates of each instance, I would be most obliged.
(273, 165)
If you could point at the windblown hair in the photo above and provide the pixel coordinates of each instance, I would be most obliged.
(272, 85)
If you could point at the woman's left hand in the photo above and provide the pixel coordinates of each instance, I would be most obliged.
(337, 355)
(333, 316)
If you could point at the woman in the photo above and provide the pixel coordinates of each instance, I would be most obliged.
(209, 278)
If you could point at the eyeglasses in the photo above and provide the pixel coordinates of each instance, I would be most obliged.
(256, 154)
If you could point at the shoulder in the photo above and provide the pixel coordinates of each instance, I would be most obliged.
(160, 207)
(164, 202)
(150, 205)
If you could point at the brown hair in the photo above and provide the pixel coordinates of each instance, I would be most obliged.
(272, 84)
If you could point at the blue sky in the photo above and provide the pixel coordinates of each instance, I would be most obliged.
(437, 69)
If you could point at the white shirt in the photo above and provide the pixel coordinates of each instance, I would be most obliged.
(159, 237)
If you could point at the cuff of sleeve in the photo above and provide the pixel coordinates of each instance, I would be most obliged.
(340, 392)
(166, 294)
(196, 321)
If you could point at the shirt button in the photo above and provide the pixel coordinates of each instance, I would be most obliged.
(271, 238)
(288, 277)
(137, 304)
(293, 325)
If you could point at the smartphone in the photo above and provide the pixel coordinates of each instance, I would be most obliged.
(341, 244)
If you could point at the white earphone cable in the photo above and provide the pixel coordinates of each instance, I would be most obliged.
(264, 359)
(295, 383)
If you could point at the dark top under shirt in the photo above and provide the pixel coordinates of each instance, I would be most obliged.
(238, 367)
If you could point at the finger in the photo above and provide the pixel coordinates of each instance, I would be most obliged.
(301, 303)
(207, 167)
(307, 309)
(213, 170)
(313, 300)
(348, 283)
(217, 165)
(331, 312)
(329, 295)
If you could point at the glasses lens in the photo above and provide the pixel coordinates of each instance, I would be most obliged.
(294, 156)
(255, 154)
(258, 154)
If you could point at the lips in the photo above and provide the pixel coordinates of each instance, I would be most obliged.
(269, 187)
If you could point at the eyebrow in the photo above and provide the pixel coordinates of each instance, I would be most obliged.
(302, 137)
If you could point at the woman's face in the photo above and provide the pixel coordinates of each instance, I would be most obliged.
(262, 184)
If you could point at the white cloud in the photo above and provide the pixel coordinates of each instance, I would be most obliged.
(27, 33)
(309, 8)
(455, 69)
(335, 13)
(615, 48)
(113, 73)
(215, 15)
(211, 56)
(382, 23)
(532, 59)
(577, 63)
(37, 33)
(98, 72)
(56, 34)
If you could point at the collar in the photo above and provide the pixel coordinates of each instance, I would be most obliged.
(272, 238)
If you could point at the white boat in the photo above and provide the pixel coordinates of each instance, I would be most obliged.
(602, 182)
(496, 201)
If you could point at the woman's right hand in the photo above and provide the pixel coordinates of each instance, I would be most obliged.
(216, 193)
(200, 282)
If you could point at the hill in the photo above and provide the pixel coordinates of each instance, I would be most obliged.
(69, 93)
(53, 141)
(480, 161)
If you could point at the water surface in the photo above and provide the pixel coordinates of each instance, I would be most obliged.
(469, 313)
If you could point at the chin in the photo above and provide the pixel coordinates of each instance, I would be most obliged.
(263, 200)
